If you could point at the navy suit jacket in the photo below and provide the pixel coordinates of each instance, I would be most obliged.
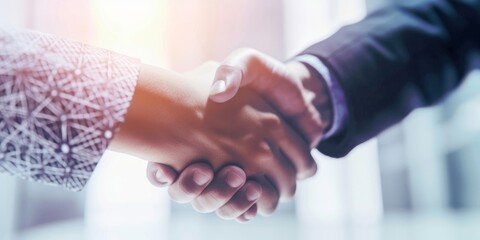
(396, 60)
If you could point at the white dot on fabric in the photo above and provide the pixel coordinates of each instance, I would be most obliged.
(65, 148)
(108, 134)
(55, 108)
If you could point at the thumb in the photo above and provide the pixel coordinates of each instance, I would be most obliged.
(226, 84)
(160, 175)
(240, 69)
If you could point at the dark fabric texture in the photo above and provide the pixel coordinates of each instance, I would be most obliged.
(396, 60)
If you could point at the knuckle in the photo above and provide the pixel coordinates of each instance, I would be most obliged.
(273, 125)
(264, 149)
(263, 153)
(259, 150)
(272, 120)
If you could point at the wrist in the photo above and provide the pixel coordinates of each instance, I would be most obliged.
(162, 101)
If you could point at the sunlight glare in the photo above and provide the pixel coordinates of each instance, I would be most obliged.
(126, 15)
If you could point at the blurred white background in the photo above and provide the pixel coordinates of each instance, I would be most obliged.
(418, 180)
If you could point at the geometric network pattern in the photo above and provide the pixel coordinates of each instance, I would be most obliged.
(60, 105)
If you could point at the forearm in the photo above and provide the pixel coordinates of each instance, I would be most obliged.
(61, 103)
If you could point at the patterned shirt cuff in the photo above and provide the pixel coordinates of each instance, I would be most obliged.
(340, 112)
(60, 104)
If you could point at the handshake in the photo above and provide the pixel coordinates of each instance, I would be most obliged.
(232, 137)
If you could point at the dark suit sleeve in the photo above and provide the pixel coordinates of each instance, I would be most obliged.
(396, 60)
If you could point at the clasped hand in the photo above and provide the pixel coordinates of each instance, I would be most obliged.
(257, 139)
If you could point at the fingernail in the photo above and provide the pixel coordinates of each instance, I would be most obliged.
(234, 180)
(219, 86)
(200, 178)
(162, 178)
(253, 193)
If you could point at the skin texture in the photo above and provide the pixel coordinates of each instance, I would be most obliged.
(291, 88)
(172, 121)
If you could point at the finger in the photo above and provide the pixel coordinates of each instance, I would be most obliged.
(243, 67)
(250, 214)
(296, 150)
(241, 201)
(225, 184)
(268, 202)
(278, 170)
(284, 177)
(311, 124)
(293, 147)
(191, 182)
(160, 175)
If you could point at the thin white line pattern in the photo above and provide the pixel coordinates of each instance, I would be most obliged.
(60, 104)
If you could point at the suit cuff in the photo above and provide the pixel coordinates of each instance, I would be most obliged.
(337, 96)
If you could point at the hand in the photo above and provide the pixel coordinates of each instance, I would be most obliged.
(171, 122)
(228, 192)
(290, 87)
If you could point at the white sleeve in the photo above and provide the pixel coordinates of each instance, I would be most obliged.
(60, 104)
